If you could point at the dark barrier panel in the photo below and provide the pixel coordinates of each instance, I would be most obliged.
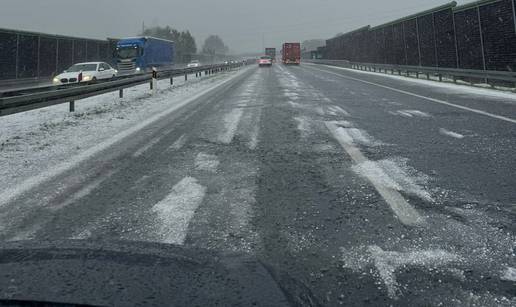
(411, 42)
(79, 51)
(65, 54)
(48, 57)
(427, 40)
(382, 43)
(399, 44)
(389, 45)
(478, 35)
(8, 42)
(498, 31)
(469, 46)
(92, 51)
(104, 52)
(445, 39)
(28, 56)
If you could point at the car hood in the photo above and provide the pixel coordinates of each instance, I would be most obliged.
(132, 273)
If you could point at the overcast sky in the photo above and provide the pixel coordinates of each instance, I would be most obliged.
(242, 24)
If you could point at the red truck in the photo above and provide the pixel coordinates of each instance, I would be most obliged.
(291, 53)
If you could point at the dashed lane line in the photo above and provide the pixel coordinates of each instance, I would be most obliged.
(407, 214)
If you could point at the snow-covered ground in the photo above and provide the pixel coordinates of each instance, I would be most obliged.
(33, 142)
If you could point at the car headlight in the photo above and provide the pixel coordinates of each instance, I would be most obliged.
(56, 80)
(86, 78)
(138, 69)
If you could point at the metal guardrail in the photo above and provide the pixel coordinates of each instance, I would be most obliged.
(17, 101)
(454, 74)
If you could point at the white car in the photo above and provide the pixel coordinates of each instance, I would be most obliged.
(91, 72)
(194, 63)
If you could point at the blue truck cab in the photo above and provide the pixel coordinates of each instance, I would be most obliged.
(141, 54)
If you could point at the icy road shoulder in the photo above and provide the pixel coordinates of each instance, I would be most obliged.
(40, 140)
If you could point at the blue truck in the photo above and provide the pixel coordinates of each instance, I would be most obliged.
(141, 54)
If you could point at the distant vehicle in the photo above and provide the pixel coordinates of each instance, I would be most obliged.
(194, 63)
(271, 52)
(291, 53)
(265, 61)
(141, 54)
(86, 72)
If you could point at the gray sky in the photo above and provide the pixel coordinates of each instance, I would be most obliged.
(242, 24)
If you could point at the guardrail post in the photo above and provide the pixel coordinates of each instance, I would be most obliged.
(186, 77)
(72, 106)
(121, 93)
(171, 80)
(440, 78)
(427, 76)
(151, 84)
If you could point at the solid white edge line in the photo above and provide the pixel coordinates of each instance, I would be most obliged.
(12, 193)
(500, 117)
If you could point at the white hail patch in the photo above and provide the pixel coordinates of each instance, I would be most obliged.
(509, 274)
(416, 113)
(387, 263)
(336, 110)
(394, 174)
(179, 143)
(303, 125)
(206, 162)
(451, 133)
(231, 121)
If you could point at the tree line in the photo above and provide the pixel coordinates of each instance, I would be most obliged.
(186, 46)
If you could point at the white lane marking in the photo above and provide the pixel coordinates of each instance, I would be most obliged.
(417, 113)
(231, 121)
(389, 174)
(148, 146)
(253, 142)
(403, 113)
(342, 123)
(451, 133)
(83, 235)
(179, 143)
(407, 214)
(337, 109)
(12, 193)
(291, 95)
(359, 136)
(509, 274)
(320, 111)
(84, 191)
(177, 209)
(500, 117)
(206, 162)
(388, 262)
(303, 126)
